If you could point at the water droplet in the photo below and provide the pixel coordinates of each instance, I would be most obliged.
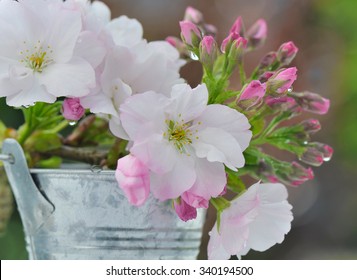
(305, 142)
(290, 89)
(72, 123)
(28, 106)
(326, 158)
(193, 56)
(96, 168)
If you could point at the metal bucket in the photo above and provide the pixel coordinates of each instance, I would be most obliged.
(83, 214)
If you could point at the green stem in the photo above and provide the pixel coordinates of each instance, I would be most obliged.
(26, 133)
(242, 74)
(59, 127)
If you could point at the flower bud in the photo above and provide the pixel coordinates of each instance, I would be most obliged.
(257, 34)
(134, 179)
(279, 84)
(283, 103)
(268, 61)
(72, 109)
(287, 53)
(311, 126)
(184, 211)
(238, 27)
(208, 52)
(193, 15)
(179, 45)
(316, 153)
(297, 175)
(251, 95)
(190, 34)
(312, 102)
(194, 200)
(266, 76)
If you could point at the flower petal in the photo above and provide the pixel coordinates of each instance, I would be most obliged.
(73, 79)
(156, 153)
(210, 179)
(217, 145)
(187, 104)
(229, 120)
(125, 31)
(175, 182)
(143, 114)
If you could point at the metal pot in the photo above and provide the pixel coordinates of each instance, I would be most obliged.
(83, 214)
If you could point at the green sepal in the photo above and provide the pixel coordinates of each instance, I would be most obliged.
(234, 183)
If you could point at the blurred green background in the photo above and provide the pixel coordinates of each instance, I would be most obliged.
(325, 31)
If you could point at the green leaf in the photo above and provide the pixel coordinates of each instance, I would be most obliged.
(234, 183)
(257, 126)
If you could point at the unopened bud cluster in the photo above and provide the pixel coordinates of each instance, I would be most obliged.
(266, 97)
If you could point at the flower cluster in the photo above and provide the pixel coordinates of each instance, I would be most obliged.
(69, 63)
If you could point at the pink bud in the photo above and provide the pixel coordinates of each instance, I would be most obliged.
(194, 200)
(208, 45)
(283, 103)
(257, 33)
(185, 211)
(72, 109)
(282, 81)
(311, 126)
(237, 27)
(300, 174)
(287, 53)
(316, 153)
(266, 76)
(134, 179)
(268, 60)
(208, 52)
(226, 43)
(251, 95)
(312, 102)
(193, 15)
(190, 33)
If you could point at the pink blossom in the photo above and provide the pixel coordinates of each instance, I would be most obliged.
(72, 109)
(312, 102)
(184, 142)
(252, 94)
(193, 15)
(287, 53)
(233, 40)
(311, 125)
(190, 33)
(185, 211)
(195, 200)
(282, 81)
(257, 33)
(237, 27)
(258, 219)
(208, 52)
(133, 178)
(316, 153)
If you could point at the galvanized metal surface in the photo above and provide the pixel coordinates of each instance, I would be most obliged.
(83, 214)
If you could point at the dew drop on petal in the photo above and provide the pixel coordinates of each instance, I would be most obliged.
(193, 56)
(72, 123)
(290, 89)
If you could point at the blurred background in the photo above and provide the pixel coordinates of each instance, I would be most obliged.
(325, 225)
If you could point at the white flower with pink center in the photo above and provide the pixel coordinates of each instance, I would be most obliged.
(184, 142)
(258, 219)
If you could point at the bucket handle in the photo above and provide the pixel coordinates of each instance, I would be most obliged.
(33, 207)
